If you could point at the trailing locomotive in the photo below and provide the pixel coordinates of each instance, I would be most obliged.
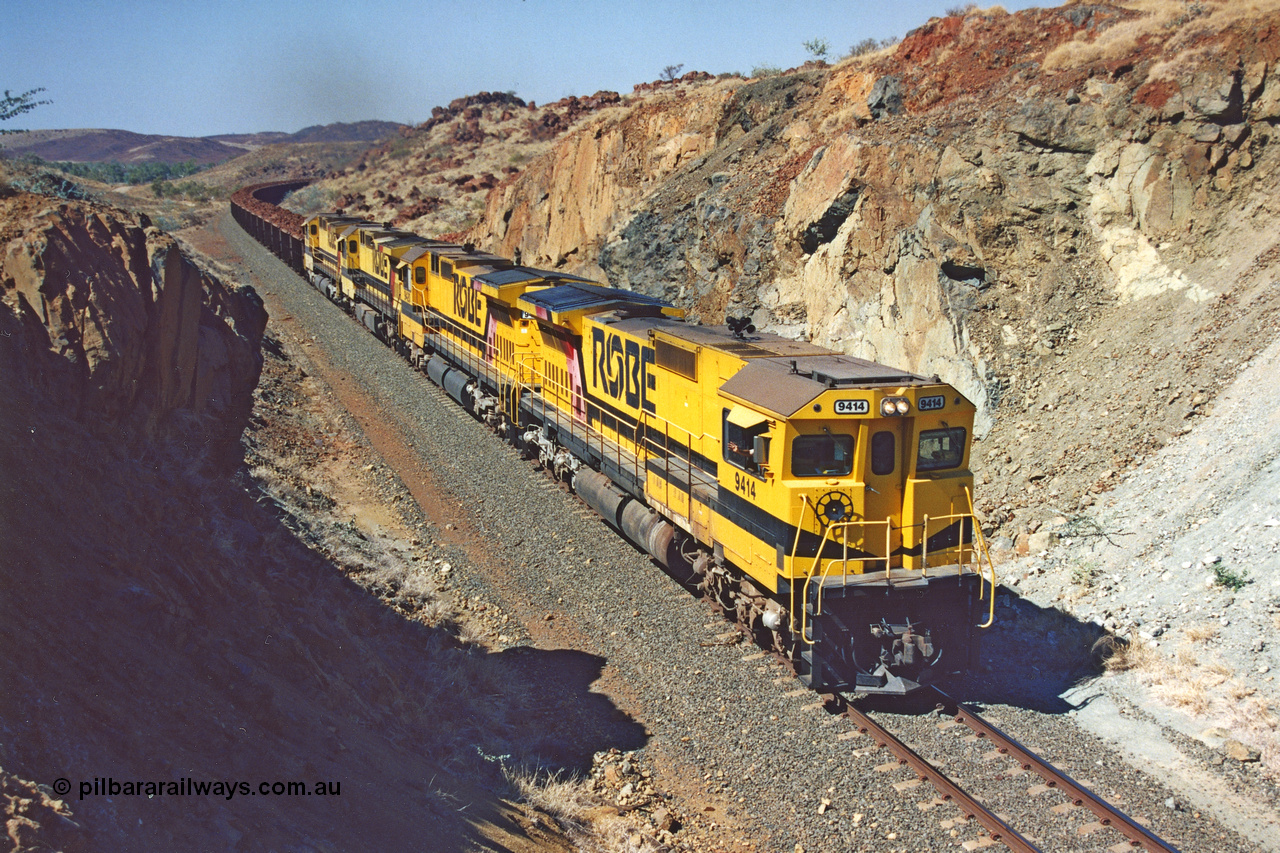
(825, 500)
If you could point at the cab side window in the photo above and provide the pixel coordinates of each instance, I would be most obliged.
(740, 444)
(941, 449)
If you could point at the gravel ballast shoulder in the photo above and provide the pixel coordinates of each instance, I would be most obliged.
(747, 758)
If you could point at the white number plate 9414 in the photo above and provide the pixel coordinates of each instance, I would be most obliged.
(930, 404)
(852, 407)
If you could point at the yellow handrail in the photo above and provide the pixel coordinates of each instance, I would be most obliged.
(844, 561)
(982, 542)
(795, 549)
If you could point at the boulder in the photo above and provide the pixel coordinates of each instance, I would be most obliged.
(1238, 751)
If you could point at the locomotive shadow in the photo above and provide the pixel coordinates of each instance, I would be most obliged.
(1031, 656)
(566, 723)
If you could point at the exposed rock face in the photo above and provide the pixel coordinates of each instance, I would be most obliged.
(106, 312)
(959, 207)
(592, 182)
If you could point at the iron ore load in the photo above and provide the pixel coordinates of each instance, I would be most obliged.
(824, 501)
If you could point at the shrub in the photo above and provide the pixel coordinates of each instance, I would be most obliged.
(870, 45)
(864, 47)
(1229, 578)
(766, 71)
(50, 184)
(818, 48)
(1085, 574)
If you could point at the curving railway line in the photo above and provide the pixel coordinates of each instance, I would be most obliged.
(1108, 816)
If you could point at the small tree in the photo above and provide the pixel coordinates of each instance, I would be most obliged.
(671, 72)
(864, 47)
(818, 48)
(12, 106)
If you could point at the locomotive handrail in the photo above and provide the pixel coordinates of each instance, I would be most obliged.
(795, 549)
(924, 544)
(982, 540)
(843, 561)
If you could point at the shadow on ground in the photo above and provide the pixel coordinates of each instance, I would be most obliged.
(160, 625)
(1030, 656)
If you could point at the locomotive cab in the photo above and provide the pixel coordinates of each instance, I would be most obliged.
(864, 471)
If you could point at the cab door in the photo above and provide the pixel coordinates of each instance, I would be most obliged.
(884, 481)
(745, 493)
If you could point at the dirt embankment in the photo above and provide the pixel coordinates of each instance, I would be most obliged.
(172, 621)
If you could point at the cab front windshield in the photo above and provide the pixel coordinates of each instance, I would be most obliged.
(828, 455)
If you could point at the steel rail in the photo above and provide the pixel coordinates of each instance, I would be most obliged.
(1107, 814)
(949, 790)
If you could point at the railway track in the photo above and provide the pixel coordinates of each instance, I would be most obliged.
(1136, 837)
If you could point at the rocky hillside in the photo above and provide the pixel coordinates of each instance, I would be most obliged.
(433, 179)
(1069, 213)
(106, 314)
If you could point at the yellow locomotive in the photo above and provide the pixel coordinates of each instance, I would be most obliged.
(824, 499)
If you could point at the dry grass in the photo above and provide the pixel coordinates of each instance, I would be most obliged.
(1127, 656)
(565, 798)
(1112, 44)
(1202, 633)
(1206, 689)
(570, 801)
(1171, 21)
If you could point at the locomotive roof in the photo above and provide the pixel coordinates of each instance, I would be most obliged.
(395, 241)
(514, 275)
(581, 294)
(780, 375)
(787, 385)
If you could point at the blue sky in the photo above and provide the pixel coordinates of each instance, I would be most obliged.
(196, 69)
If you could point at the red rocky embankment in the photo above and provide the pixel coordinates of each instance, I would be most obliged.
(111, 319)
(165, 621)
(1054, 210)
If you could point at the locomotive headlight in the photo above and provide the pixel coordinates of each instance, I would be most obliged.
(893, 406)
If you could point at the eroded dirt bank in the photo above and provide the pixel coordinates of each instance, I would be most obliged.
(168, 621)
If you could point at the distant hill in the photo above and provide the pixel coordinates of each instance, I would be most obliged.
(355, 131)
(122, 146)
